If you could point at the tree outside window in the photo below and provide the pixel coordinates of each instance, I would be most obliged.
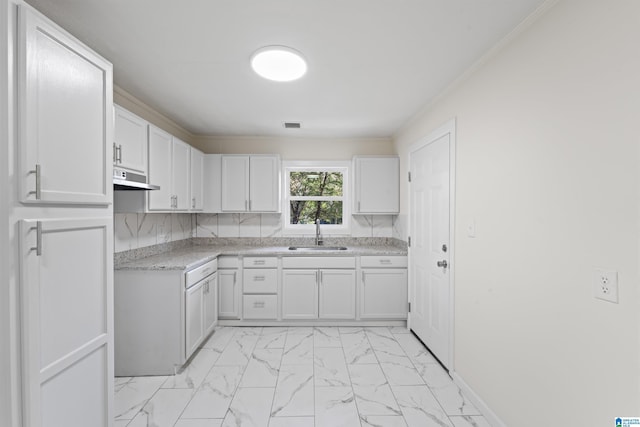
(315, 193)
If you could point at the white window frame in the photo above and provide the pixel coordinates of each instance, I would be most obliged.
(341, 166)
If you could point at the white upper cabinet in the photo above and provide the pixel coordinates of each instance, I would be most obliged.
(377, 185)
(250, 183)
(169, 168)
(180, 173)
(65, 97)
(130, 141)
(211, 183)
(160, 147)
(235, 183)
(197, 177)
(264, 183)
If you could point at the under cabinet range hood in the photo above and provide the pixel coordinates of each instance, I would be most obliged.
(125, 180)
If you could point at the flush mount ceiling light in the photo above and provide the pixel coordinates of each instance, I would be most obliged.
(278, 63)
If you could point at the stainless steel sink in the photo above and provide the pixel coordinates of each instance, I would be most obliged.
(317, 248)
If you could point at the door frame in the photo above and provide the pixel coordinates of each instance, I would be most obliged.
(449, 128)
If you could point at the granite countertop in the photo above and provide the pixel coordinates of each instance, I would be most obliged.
(191, 256)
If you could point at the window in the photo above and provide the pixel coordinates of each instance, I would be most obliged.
(316, 191)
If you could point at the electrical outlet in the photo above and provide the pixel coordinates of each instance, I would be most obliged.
(605, 285)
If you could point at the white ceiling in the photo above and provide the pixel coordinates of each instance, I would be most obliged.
(372, 63)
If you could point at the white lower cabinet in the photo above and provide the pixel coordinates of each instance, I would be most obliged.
(200, 312)
(260, 307)
(299, 294)
(319, 293)
(337, 294)
(194, 313)
(383, 288)
(161, 317)
(67, 313)
(228, 288)
(260, 288)
(210, 305)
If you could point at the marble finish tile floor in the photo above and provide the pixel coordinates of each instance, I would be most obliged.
(300, 377)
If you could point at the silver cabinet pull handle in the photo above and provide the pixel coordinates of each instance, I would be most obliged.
(38, 247)
(119, 157)
(443, 264)
(193, 203)
(38, 172)
(358, 206)
(258, 278)
(115, 153)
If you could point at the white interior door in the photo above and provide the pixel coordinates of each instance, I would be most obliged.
(429, 254)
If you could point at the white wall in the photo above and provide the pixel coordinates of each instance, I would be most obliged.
(293, 148)
(548, 133)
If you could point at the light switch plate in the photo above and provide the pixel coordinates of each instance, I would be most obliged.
(471, 229)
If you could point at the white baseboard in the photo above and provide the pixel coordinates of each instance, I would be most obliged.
(468, 392)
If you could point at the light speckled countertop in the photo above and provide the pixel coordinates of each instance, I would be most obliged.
(188, 257)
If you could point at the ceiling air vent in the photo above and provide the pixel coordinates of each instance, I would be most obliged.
(292, 125)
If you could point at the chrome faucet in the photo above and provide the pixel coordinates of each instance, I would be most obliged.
(318, 236)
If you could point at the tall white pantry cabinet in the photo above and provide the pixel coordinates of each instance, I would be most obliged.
(56, 119)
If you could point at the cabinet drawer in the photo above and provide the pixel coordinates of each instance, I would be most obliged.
(199, 273)
(260, 306)
(318, 262)
(260, 281)
(228, 262)
(260, 262)
(383, 261)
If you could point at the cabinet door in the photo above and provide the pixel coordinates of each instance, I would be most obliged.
(264, 187)
(337, 294)
(130, 141)
(211, 304)
(160, 151)
(300, 294)
(212, 183)
(235, 183)
(67, 322)
(383, 293)
(228, 294)
(65, 123)
(180, 174)
(196, 181)
(377, 184)
(194, 315)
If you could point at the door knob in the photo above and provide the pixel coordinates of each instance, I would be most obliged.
(443, 264)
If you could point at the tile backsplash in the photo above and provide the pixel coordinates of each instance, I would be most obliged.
(138, 230)
(270, 225)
